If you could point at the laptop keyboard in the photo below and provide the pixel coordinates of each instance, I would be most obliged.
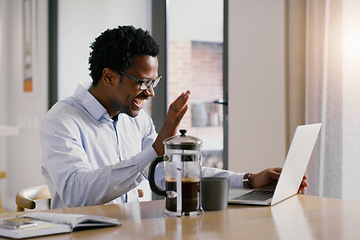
(258, 195)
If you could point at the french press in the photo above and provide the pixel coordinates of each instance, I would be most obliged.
(182, 169)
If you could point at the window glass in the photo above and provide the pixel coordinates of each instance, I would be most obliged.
(195, 62)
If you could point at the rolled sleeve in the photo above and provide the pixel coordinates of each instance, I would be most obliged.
(234, 178)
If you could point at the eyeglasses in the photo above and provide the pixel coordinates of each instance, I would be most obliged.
(146, 83)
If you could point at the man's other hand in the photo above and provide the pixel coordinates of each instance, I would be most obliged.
(268, 178)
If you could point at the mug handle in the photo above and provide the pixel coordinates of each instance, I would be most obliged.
(155, 188)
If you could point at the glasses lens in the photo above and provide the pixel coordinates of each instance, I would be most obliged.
(146, 84)
(143, 86)
(156, 82)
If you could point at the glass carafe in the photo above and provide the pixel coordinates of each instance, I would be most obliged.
(182, 169)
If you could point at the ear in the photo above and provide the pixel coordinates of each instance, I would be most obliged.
(108, 76)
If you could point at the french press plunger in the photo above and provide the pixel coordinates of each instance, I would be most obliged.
(182, 169)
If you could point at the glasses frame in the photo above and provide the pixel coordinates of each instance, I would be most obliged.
(144, 84)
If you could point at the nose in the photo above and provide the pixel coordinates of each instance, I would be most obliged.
(150, 91)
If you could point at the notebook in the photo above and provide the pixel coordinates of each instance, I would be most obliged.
(292, 173)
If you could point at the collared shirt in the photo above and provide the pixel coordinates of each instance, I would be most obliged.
(90, 159)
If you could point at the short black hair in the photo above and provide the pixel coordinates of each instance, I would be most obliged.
(116, 48)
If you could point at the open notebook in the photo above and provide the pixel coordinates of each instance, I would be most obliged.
(35, 224)
(292, 173)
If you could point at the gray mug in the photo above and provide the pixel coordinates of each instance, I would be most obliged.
(214, 193)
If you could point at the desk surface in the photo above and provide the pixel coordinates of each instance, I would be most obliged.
(300, 217)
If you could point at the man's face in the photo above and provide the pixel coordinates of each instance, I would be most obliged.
(128, 98)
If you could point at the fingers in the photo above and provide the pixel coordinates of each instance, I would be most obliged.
(267, 179)
(178, 105)
(173, 118)
(175, 114)
(178, 108)
(277, 170)
(274, 173)
(303, 184)
(181, 114)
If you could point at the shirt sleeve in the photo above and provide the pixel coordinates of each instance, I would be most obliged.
(234, 178)
(69, 173)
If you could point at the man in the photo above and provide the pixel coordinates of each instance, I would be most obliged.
(98, 144)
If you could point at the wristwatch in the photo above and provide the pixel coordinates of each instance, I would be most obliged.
(246, 181)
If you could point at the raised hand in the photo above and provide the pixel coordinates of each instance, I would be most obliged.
(173, 118)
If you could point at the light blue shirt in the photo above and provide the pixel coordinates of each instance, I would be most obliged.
(90, 159)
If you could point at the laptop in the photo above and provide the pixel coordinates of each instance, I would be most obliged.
(292, 173)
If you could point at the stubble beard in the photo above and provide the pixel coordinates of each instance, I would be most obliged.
(126, 109)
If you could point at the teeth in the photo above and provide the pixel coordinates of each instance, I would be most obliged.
(139, 101)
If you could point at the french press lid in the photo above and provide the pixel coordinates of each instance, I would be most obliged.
(183, 142)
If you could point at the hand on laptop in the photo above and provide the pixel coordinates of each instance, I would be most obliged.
(268, 178)
(303, 184)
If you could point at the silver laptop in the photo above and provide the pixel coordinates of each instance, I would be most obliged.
(292, 173)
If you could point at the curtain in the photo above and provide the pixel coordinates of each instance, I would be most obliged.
(324, 94)
(332, 90)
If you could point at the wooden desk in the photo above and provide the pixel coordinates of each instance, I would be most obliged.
(300, 217)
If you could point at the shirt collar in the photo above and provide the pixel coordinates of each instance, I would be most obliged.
(89, 102)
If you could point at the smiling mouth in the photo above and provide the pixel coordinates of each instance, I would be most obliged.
(139, 102)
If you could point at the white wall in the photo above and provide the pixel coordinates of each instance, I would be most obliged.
(3, 95)
(80, 22)
(256, 85)
(23, 155)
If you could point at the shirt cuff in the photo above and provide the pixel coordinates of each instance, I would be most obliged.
(236, 180)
